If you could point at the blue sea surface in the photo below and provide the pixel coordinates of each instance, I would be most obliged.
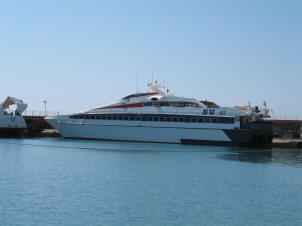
(54, 181)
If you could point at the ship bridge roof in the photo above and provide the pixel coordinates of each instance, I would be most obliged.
(138, 95)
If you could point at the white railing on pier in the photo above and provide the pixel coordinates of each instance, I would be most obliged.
(285, 117)
(43, 113)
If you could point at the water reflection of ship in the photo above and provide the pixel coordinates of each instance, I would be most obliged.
(291, 157)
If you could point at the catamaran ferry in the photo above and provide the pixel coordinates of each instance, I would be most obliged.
(159, 116)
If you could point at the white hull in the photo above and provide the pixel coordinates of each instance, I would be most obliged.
(12, 121)
(140, 131)
(11, 126)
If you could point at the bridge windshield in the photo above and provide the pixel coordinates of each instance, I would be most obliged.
(138, 95)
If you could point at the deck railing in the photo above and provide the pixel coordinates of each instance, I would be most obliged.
(43, 113)
(285, 117)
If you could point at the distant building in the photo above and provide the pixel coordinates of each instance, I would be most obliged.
(287, 128)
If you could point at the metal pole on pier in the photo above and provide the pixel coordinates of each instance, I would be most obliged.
(45, 103)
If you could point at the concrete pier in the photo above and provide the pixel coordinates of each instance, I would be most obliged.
(38, 127)
(287, 143)
(36, 124)
(50, 133)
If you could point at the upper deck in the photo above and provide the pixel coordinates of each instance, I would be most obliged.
(163, 102)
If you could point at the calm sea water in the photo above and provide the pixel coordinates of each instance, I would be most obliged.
(53, 181)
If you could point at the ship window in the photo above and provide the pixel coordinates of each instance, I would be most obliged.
(179, 105)
(126, 118)
(114, 117)
(103, 117)
(226, 120)
(191, 105)
(162, 119)
(120, 117)
(200, 120)
(155, 118)
(193, 119)
(132, 118)
(206, 120)
(168, 119)
(85, 116)
(138, 118)
(139, 95)
(174, 119)
(149, 118)
(97, 117)
(214, 120)
(156, 104)
(181, 119)
(81, 116)
(91, 116)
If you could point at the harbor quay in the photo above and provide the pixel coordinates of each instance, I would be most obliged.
(37, 126)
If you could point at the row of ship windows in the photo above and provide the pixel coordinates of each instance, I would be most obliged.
(173, 104)
(156, 118)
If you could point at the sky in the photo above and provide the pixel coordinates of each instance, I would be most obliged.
(78, 54)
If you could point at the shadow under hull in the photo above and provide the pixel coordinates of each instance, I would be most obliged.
(11, 132)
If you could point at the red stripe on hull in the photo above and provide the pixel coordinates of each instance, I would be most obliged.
(136, 105)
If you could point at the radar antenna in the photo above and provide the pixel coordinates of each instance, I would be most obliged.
(137, 73)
